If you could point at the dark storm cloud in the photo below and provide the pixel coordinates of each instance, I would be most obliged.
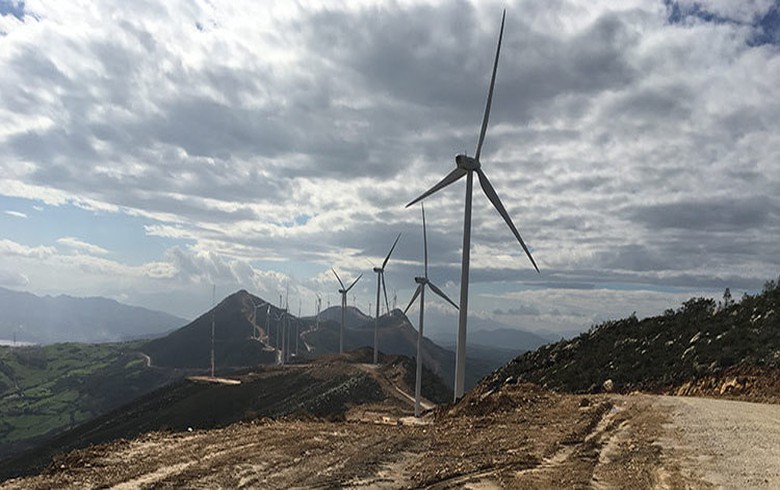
(710, 214)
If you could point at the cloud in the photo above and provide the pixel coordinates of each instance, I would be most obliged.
(10, 248)
(13, 279)
(631, 142)
(16, 214)
(81, 246)
(712, 214)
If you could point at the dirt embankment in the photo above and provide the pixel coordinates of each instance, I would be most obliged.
(508, 436)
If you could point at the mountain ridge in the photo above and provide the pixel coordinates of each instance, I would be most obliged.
(63, 318)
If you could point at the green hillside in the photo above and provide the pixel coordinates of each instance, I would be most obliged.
(703, 338)
(47, 389)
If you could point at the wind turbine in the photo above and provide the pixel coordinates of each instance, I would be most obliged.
(256, 328)
(466, 166)
(380, 281)
(422, 282)
(319, 307)
(343, 291)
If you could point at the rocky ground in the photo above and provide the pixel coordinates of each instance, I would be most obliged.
(518, 436)
(510, 436)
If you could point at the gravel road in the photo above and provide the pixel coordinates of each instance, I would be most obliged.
(728, 444)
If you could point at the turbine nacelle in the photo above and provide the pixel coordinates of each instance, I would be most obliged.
(467, 163)
(421, 280)
(378, 269)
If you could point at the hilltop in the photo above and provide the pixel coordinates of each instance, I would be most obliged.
(704, 347)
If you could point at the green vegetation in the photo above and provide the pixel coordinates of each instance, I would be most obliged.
(701, 338)
(48, 389)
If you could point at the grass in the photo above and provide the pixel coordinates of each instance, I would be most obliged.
(48, 389)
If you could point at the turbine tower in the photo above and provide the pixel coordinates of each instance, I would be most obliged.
(380, 281)
(422, 282)
(466, 166)
(343, 291)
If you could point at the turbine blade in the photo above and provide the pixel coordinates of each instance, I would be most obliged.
(414, 297)
(491, 194)
(384, 288)
(490, 92)
(425, 241)
(441, 293)
(391, 251)
(449, 179)
(353, 283)
(337, 277)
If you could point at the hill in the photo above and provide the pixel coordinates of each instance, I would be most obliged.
(333, 388)
(702, 347)
(236, 343)
(47, 320)
(46, 389)
(397, 336)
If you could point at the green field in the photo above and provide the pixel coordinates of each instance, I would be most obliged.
(47, 389)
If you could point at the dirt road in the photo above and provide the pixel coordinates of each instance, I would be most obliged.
(729, 444)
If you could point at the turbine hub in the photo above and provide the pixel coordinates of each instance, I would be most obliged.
(467, 163)
(378, 269)
(342, 291)
(420, 280)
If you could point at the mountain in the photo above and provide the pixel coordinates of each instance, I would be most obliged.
(332, 388)
(506, 338)
(485, 332)
(396, 336)
(48, 319)
(703, 347)
(236, 343)
(353, 317)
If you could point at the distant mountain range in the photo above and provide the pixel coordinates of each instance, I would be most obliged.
(239, 326)
(50, 319)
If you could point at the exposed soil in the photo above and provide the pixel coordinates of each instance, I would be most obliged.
(509, 436)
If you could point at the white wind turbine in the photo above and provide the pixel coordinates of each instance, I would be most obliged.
(466, 166)
(380, 282)
(422, 282)
(343, 291)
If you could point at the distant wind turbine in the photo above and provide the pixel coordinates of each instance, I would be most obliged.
(380, 282)
(256, 328)
(466, 166)
(422, 282)
(343, 291)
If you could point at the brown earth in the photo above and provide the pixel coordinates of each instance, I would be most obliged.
(511, 436)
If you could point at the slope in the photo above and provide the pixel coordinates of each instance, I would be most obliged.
(235, 342)
(329, 388)
(702, 347)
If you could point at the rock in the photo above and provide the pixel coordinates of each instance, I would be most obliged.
(608, 386)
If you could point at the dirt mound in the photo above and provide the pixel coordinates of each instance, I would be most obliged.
(487, 399)
(749, 383)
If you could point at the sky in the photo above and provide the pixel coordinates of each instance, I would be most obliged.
(150, 150)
